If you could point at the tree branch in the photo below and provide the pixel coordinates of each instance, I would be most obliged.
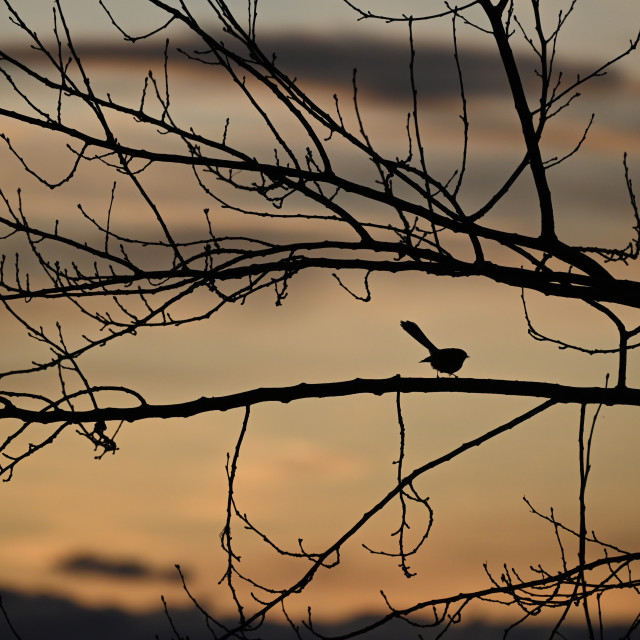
(562, 394)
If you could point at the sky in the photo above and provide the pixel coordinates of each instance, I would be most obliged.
(602, 25)
(109, 532)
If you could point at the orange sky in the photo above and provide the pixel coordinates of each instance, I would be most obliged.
(310, 469)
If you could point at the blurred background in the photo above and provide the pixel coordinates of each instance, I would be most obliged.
(108, 533)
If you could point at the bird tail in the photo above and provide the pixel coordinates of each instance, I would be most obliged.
(416, 333)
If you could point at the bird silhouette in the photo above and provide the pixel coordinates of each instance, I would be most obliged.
(442, 360)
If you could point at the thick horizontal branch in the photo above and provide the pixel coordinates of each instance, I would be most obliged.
(555, 283)
(377, 386)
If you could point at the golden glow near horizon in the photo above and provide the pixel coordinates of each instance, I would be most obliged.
(311, 468)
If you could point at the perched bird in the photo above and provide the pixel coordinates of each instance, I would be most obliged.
(442, 360)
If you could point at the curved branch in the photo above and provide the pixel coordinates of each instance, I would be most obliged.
(558, 393)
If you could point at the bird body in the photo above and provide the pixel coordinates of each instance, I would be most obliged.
(447, 360)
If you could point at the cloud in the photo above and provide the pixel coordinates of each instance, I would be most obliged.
(382, 65)
(94, 565)
(49, 616)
